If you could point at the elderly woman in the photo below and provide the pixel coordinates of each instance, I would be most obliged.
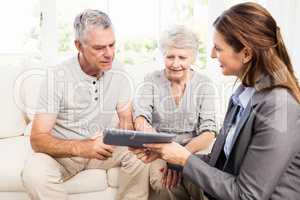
(176, 100)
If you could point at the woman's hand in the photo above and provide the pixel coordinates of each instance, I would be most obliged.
(144, 154)
(171, 152)
(171, 178)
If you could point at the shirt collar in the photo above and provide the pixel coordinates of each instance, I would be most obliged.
(242, 96)
(83, 75)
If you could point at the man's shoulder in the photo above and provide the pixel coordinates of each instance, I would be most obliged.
(69, 63)
(118, 70)
(64, 70)
(117, 66)
(66, 63)
(118, 76)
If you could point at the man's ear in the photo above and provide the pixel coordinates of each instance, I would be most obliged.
(78, 45)
(247, 55)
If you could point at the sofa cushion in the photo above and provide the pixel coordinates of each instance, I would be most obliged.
(13, 153)
(12, 118)
(27, 130)
(107, 194)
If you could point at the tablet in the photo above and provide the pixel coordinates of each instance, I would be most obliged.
(130, 138)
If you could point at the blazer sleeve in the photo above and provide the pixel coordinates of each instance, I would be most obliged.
(203, 157)
(274, 144)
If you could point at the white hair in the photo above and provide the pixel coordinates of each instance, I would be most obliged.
(179, 37)
(89, 18)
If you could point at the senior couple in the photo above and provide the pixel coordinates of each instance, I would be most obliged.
(255, 156)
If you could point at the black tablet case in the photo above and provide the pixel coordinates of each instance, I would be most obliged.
(130, 138)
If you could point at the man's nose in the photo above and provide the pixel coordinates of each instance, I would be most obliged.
(109, 52)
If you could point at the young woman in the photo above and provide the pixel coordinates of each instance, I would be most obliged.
(257, 152)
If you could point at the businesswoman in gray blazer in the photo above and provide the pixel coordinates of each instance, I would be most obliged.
(257, 152)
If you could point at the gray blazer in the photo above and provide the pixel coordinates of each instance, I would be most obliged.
(265, 159)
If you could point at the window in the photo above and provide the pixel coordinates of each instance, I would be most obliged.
(138, 25)
(20, 36)
(46, 29)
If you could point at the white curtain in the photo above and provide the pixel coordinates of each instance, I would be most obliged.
(287, 15)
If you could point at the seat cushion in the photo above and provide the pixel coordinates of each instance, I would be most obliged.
(13, 153)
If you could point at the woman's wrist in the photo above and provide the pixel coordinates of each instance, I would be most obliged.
(184, 158)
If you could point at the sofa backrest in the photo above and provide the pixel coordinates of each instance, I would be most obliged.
(11, 118)
(30, 82)
(20, 85)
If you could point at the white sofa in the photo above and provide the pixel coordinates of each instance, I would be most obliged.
(19, 88)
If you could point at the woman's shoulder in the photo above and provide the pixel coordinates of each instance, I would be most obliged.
(200, 78)
(276, 98)
(201, 83)
(277, 109)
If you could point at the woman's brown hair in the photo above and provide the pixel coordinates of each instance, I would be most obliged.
(252, 26)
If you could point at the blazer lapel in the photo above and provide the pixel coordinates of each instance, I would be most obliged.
(260, 85)
(221, 138)
(241, 124)
(243, 120)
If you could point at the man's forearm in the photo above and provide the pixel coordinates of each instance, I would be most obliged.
(46, 143)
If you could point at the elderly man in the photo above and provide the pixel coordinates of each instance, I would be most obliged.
(79, 98)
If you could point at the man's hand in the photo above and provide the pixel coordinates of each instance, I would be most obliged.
(94, 148)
